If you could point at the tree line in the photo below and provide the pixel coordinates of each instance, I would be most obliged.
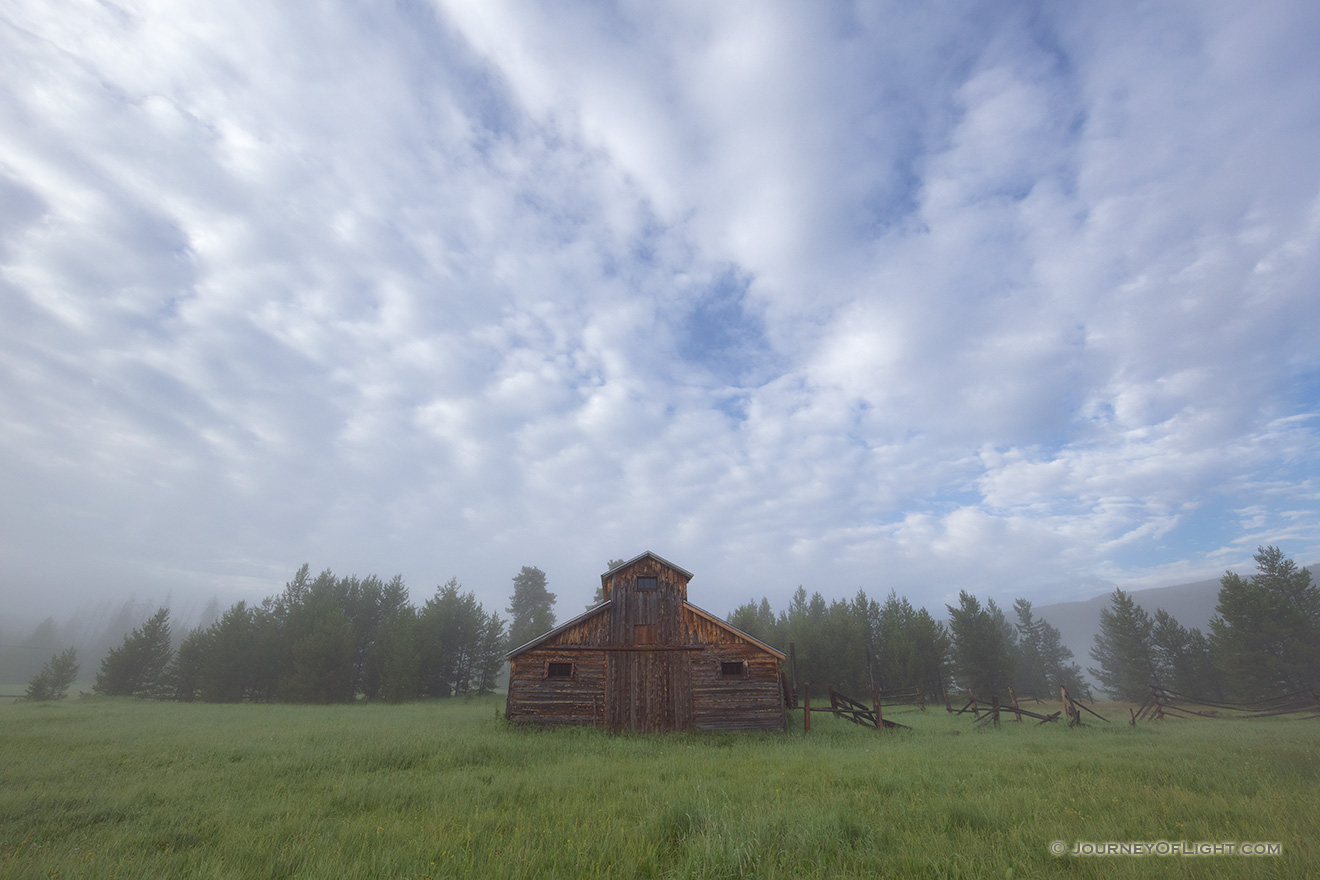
(861, 644)
(323, 639)
(93, 629)
(1264, 640)
(329, 639)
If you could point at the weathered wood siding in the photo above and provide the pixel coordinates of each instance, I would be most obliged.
(646, 680)
(537, 699)
(647, 661)
(753, 700)
(625, 577)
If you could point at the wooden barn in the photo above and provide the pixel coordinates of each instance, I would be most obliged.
(646, 659)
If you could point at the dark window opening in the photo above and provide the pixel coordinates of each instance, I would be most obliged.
(646, 583)
(732, 668)
(559, 670)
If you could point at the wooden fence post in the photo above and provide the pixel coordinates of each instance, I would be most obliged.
(1016, 709)
(792, 671)
(1159, 707)
(1074, 717)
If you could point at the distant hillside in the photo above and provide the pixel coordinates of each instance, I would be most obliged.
(1192, 604)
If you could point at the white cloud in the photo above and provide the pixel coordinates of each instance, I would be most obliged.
(1004, 302)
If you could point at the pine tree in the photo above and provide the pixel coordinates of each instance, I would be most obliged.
(896, 661)
(460, 645)
(137, 667)
(182, 675)
(1172, 645)
(489, 659)
(1057, 660)
(1266, 634)
(391, 642)
(1124, 650)
(1030, 676)
(54, 679)
(231, 659)
(800, 625)
(845, 640)
(933, 647)
(758, 621)
(984, 647)
(531, 608)
(318, 626)
(397, 658)
(1206, 678)
(322, 662)
(1044, 663)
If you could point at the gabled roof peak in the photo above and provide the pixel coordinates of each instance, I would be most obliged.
(641, 556)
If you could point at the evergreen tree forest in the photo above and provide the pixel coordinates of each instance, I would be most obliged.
(1266, 636)
(324, 639)
(1263, 642)
(328, 639)
(861, 644)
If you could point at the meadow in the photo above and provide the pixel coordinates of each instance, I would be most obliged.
(127, 788)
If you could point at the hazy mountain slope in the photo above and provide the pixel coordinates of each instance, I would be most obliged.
(1192, 604)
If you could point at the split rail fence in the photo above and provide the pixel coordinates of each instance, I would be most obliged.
(1165, 703)
(844, 706)
(988, 711)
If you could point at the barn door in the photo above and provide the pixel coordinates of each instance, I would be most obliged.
(649, 691)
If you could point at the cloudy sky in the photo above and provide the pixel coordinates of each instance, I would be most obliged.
(1019, 298)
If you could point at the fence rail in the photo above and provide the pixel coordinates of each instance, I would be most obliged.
(1166, 703)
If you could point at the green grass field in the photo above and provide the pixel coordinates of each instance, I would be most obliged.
(124, 788)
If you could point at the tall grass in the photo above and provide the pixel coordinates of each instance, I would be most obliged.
(123, 788)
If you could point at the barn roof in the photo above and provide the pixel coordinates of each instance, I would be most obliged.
(557, 630)
(700, 612)
(733, 629)
(657, 558)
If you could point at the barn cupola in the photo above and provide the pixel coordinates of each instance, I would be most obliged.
(647, 573)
